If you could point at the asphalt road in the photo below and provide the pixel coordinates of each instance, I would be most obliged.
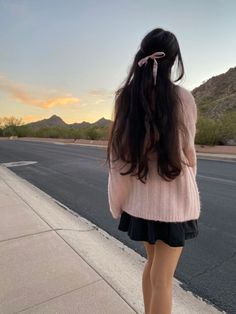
(77, 177)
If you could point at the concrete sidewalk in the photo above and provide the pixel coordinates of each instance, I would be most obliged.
(54, 261)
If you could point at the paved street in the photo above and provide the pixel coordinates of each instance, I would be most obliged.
(76, 177)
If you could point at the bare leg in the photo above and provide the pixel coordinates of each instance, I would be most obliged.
(162, 272)
(146, 280)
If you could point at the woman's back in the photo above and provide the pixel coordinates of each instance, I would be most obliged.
(158, 199)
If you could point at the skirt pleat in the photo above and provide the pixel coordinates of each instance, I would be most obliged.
(172, 233)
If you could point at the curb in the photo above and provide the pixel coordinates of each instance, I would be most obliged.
(85, 238)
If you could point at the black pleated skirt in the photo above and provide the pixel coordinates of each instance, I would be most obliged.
(172, 233)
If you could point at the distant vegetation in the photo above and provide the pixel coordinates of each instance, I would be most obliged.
(209, 131)
(218, 131)
(14, 127)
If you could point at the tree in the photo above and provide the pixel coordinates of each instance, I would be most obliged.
(10, 121)
(9, 125)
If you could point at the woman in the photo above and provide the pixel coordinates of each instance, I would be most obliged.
(152, 185)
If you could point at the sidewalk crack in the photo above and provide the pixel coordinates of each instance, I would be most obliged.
(57, 296)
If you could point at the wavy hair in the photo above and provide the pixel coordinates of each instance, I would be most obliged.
(146, 116)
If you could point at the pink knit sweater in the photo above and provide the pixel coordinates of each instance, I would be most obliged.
(175, 201)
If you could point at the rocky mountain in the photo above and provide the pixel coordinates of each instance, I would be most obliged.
(52, 121)
(217, 95)
(57, 121)
(102, 122)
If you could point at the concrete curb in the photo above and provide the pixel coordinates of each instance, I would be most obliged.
(214, 156)
(103, 253)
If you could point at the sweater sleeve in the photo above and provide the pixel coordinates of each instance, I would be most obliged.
(118, 188)
(191, 115)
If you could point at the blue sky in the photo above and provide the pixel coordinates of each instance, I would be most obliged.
(67, 57)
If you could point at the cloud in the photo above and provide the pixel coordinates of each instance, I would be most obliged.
(101, 93)
(99, 96)
(18, 93)
(31, 118)
(60, 101)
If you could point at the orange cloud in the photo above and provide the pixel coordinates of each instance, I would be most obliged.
(31, 118)
(18, 93)
(60, 101)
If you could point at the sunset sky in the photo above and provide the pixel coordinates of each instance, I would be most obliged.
(67, 57)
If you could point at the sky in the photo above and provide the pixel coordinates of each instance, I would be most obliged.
(67, 57)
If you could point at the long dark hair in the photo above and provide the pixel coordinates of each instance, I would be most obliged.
(146, 116)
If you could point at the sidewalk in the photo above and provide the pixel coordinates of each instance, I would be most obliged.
(54, 261)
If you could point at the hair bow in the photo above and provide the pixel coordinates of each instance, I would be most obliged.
(154, 56)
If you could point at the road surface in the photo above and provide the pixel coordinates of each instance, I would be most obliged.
(76, 176)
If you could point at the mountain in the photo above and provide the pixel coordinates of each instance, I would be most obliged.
(83, 124)
(102, 122)
(52, 121)
(217, 95)
(57, 121)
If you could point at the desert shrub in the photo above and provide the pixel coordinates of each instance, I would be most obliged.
(216, 132)
(50, 132)
(10, 130)
(23, 131)
(92, 133)
(227, 127)
(207, 131)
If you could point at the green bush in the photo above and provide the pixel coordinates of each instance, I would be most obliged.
(207, 131)
(216, 132)
(10, 130)
(22, 131)
(103, 133)
(92, 133)
(227, 127)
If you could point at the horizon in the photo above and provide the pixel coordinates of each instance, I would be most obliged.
(91, 122)
(65, 121)
(50, 68)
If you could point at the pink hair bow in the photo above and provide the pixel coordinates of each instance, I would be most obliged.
(154, 56)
